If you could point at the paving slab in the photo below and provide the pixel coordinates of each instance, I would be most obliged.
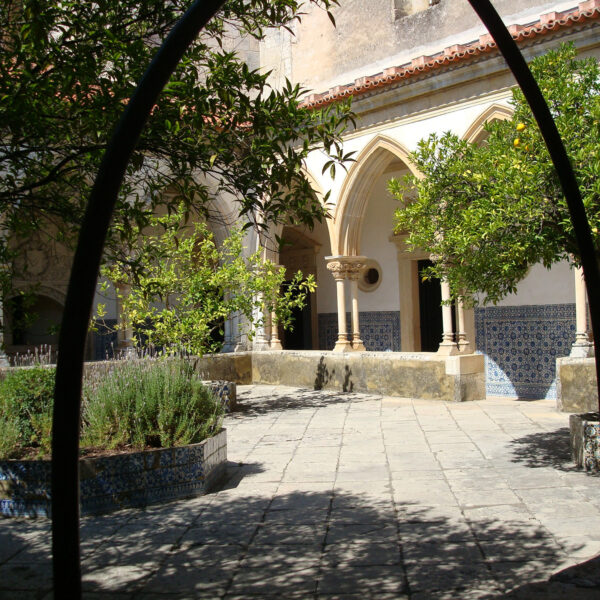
(349, 496)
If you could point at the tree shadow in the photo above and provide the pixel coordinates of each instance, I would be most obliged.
(323, 375)
(544, 449)
(251, 404)
(296, 545)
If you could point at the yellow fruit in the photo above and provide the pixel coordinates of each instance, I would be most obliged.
(516, 142)
(520, 126)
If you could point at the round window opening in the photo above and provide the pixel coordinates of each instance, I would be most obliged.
(370, 277)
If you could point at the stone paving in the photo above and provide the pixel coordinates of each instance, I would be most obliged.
(336, 495)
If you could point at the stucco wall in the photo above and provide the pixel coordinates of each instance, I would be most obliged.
(377, 227)
(544, 286)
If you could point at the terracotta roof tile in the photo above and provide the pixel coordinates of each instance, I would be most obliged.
(548, 22)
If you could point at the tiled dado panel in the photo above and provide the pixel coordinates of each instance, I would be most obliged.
(379, 330)
(521, 345)
(121, 481)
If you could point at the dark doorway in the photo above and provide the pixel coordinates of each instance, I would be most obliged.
(430, 310)
(300, 336)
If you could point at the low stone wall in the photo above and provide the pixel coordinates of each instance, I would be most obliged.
(576, 390)
(232, 366)
(121, 481)
(418, 375)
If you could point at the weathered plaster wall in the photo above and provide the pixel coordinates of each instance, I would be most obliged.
(370, 36)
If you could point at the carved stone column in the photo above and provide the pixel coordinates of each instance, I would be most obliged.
(338, 270)
(124, 329)
(582, 347)
(447, 347)
(353, 273)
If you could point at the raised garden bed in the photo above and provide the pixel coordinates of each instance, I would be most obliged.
(585, 440)
(110, 483)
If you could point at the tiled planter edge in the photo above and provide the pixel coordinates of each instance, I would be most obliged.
(110, 483)
(585, 440)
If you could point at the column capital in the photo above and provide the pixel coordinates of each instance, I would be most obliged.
(345, 267)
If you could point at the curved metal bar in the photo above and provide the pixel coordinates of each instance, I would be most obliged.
(558, 154)
(80, 295)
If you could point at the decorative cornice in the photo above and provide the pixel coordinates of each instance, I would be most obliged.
(551, 22)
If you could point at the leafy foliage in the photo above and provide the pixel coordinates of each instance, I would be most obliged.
(66, 70)
(26, 408)
(183, 286)
(488, 212)
(151, 402)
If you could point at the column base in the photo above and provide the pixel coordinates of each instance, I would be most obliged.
(464, 347)
(261, 345)
(582, 350)
(342, 345)
(357, 345)
(447, 349)
(127, 351)
(276, 345)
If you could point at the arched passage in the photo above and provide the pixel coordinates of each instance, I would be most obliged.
(382, 155)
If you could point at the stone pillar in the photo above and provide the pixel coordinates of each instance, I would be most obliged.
(582, 347)
(124, 330)
(464, 346)
(275, 341)
(338, 270)
(447, 347)
(353, 274)
(261, 342)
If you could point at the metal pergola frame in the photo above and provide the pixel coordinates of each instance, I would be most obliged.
(84, 273)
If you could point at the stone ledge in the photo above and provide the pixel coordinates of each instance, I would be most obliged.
(416, 375)
(576, 390)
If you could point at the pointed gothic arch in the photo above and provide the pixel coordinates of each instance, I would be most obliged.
(495, 112)
(372, 161)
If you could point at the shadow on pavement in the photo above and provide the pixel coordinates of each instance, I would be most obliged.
(278, 400)
(307, 545)
(544, 449)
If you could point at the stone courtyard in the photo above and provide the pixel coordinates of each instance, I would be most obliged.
(334, 495)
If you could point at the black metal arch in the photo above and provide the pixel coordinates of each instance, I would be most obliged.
(80, 295)
(558, 154)
(84, 273)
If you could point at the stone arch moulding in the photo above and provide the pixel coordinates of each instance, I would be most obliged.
(495, 112)
(349, 213)
(316, 186)
(39, 289)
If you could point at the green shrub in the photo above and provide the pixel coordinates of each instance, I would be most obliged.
(26, 398)
(9, 437)
(150, 402)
